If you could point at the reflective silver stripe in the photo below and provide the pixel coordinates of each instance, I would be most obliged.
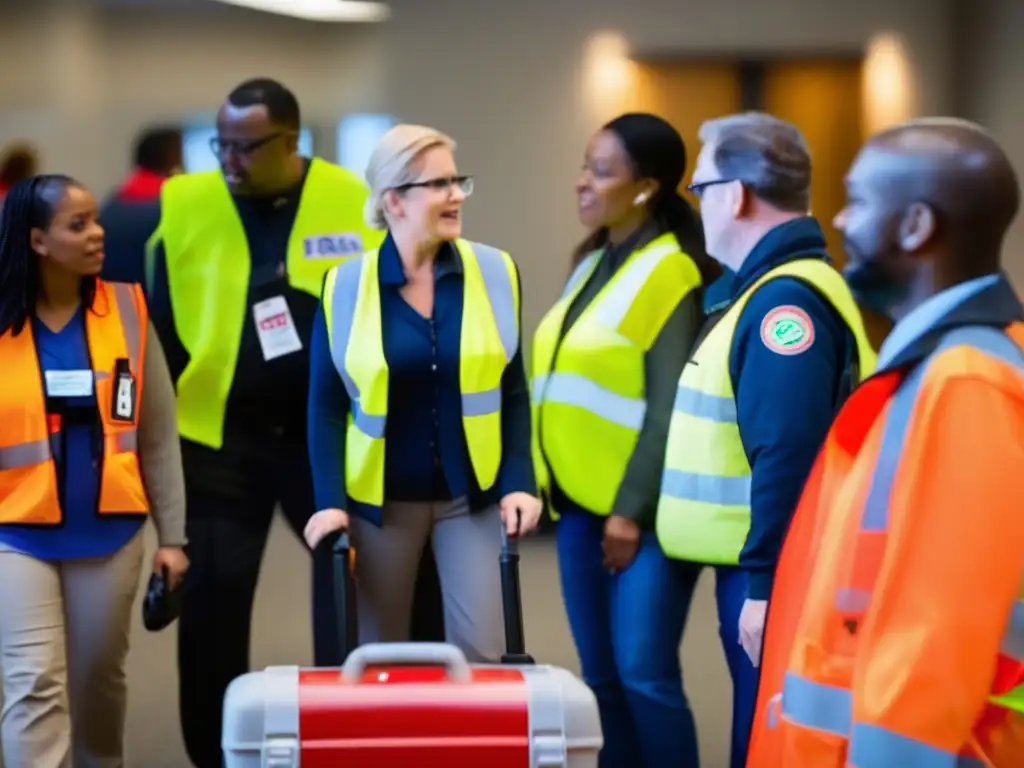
(872, 746)
(125, 442)
(1013, 639)
(706, 489)
(816, 705)
(572, 389)
(852, 600)
(129, 323)
(25, 454)
(501, 294)
(611, 308)
(481, 403)
(703, 406)
(582, 270)
(343, 310)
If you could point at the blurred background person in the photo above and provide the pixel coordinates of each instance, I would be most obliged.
(130, 215)
(419, 413)
(234, 274)
(756, 399)
(88, 449)
(607, 359)
(18, 162)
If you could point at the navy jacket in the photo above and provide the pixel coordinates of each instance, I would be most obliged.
(785, 402)
(426, 457)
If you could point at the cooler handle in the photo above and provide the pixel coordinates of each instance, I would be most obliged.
(407, 654)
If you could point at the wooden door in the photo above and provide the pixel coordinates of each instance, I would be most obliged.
(823, 98)
(686, 94)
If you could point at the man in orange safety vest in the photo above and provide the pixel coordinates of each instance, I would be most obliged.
(895, 637)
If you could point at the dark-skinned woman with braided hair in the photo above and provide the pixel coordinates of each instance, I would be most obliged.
(88, 451)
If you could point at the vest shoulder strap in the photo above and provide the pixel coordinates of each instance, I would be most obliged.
(992, 341)
(179, 189)
(324, 172)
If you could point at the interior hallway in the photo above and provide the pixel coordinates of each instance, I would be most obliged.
(281, 635)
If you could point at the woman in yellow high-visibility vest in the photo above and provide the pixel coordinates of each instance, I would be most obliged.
(419, 425)
(606, 360)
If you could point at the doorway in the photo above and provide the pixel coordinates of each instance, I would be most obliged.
(821, 96)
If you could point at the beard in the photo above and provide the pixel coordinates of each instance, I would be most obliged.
(875, 287)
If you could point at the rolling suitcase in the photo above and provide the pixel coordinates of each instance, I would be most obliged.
(399, 705)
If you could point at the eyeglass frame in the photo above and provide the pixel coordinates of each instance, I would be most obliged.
(697, 189)
(444, 183)
(243, 149)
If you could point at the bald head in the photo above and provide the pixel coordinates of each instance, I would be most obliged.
(928, 205)
(957, 168)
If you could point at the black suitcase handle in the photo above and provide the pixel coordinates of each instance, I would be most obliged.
(512, 601)
(511, 598)
(345, 593)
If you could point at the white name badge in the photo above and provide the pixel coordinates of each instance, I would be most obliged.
(276, 328)
(69, 383)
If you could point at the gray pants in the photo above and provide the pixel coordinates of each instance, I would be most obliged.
(64, 631)
(466, 548)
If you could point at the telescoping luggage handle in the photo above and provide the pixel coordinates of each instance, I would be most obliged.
(511, 601)
(345, 593)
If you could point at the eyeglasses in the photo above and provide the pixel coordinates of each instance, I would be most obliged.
(241, 147)
(464, 183)
(697, 189)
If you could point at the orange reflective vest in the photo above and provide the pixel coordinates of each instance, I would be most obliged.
(116, 331)
(895, 634)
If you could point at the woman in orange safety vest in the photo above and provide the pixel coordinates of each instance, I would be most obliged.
(895, 634)
(84, 459)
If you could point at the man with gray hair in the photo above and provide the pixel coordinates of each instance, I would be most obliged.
(774, 362)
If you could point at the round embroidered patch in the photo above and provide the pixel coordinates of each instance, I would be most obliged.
(787, 330)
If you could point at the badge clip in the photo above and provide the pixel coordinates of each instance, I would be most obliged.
(122, 407)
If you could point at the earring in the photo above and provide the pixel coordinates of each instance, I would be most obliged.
(640, 199)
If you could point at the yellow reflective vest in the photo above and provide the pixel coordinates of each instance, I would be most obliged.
(208, 270)
(488, 342)
(704, 510)
(588, 384)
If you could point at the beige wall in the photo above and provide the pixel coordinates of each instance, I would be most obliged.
(82, 81)
(502, 77)
(504, 81)
(993, 93)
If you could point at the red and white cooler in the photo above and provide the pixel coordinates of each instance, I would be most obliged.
(400, 705)
(413, 705)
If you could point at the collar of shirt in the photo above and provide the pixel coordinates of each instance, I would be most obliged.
(787, 242)
(983, 300)
(639, 238)
(447, 261)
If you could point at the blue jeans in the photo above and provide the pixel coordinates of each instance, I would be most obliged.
(730, 594)
(627, 628)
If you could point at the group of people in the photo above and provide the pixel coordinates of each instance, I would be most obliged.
(702, 394)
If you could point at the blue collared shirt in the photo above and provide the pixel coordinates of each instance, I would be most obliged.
(426, 457)
(925, 315)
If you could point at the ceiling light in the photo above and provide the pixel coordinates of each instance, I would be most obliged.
(319, 10)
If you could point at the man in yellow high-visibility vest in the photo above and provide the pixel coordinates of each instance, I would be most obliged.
(234, 273)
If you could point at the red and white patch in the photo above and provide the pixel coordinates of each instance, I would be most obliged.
(787, 330)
